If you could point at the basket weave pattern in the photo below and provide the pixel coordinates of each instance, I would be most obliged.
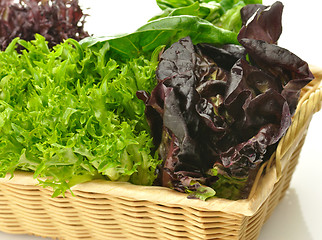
(103, 210)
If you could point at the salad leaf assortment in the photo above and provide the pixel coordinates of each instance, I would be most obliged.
(56, 20)
(195, 100)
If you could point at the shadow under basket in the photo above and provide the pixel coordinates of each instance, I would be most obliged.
(115, 210)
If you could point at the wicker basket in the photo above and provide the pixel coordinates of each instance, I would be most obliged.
(114, 210)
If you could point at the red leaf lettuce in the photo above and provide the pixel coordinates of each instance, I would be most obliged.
(218, 112)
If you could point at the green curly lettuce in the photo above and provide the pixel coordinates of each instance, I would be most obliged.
(71, 115)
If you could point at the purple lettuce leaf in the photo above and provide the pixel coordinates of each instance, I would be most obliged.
(225, 56)
(262, 22)
(56, 20)
(292, 72)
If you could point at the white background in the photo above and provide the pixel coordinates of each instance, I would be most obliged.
(298, 216)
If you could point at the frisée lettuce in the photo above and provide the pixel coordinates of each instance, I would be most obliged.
(70, 115)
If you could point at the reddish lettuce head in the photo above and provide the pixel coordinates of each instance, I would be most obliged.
(217, 113)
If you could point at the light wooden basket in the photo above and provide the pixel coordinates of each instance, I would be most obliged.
(113, 210)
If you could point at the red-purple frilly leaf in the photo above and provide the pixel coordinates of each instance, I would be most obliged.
(56, 20)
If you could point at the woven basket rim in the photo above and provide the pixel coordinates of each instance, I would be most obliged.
(158, 194)
(169, 197)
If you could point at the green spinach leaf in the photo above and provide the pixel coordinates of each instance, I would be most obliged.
(222, 13)
(164, 31)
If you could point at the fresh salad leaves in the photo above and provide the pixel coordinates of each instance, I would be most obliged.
(217, 113)
(56, 20)
(71, 115)
(217, 91)
(160, 33)
(69, 111)
(222, 13)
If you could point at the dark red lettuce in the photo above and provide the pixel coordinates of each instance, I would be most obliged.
(218, 113)
(56, 20)
(262, 22)
(292, 72)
